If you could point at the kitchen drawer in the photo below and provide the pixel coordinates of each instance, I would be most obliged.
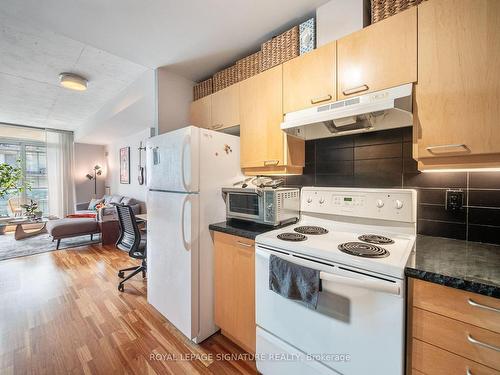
(457, 337)
(472, 308)
(430, 360)
(233, 240)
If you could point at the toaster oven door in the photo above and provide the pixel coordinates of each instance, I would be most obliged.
(246, 206)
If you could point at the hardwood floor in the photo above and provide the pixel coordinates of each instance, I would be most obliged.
(61, 313)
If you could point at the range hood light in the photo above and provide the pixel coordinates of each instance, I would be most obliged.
(447, 170)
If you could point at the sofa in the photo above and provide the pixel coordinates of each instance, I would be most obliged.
(108, 212)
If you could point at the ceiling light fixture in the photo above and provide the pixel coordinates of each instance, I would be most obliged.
(73, 81)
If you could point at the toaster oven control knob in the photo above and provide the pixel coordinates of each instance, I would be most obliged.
(321, 200)
(380, 203)
(309, 200)
(270, 207)
(398, 204)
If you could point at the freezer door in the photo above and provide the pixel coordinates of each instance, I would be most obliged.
(173, 248)
(172, 161)
(219, 160)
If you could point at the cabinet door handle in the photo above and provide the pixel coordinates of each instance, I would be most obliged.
(321, 99)
(271, 163)
(469, 372)
(431, 149)
(481, 306)
(483, 344)
(355, 90)
(243, 244)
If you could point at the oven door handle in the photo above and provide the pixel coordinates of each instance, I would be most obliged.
(379, 286)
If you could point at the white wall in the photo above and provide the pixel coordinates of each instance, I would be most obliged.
(86, 157)
(339, 18)
(175, 94)
(133, 189)
(132, 111)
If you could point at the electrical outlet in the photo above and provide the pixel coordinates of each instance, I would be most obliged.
(454, 199)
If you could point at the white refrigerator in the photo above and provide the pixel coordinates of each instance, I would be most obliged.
(186, 169)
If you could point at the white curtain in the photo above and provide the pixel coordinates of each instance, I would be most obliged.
(60, 167)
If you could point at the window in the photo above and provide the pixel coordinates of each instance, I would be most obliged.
(33, 158)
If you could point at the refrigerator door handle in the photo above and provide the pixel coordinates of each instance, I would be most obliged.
(186, 244)
(185, 148)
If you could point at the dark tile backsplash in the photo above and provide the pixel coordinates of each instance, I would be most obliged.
(384, 160)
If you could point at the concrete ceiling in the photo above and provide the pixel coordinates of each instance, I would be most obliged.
(193, 37)
(115, 42)
(31, 59)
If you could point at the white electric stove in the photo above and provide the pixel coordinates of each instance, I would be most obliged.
(360, 241)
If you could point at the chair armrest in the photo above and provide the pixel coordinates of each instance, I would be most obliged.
(82, 206)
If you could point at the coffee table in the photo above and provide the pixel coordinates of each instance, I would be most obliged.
(22, 232)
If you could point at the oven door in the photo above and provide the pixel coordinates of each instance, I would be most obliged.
(357, 328)
(245, 206)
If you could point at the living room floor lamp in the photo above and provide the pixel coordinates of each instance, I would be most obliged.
(97, 171)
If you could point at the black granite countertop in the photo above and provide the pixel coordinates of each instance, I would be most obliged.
(471, 266)
(241, 228)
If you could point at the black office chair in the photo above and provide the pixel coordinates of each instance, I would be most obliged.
(130, 240)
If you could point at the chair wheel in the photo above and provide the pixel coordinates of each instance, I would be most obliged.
(121, 287)
(121, 274)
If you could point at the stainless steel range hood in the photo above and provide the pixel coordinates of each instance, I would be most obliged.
(385, 109)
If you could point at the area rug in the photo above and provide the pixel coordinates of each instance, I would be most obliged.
(10, 248)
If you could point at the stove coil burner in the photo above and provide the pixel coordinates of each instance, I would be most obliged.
(292, 237)
(364, 250)
(310, 229)
(376, 239)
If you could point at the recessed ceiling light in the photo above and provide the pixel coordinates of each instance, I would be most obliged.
(73, 81)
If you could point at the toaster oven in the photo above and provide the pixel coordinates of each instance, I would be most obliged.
(270, 206)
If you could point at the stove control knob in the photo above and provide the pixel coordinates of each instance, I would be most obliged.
(398, 204)
(321, 200)
(309, 200)
(380, 203)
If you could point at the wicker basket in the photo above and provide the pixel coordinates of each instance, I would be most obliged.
(249, 66)
(382, 9)
(225, 78)
(280, 48)
(202, 89)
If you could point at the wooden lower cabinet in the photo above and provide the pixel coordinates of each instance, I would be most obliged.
(432, 360)
(452, 331)
(235, 288)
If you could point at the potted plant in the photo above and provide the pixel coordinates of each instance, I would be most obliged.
(11, 179)
(31, 209)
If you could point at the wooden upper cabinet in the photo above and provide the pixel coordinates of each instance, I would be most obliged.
(226, 107)
(379, 56)
(264, 147)
(458, 91)
(310, 79)
(200, 112)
